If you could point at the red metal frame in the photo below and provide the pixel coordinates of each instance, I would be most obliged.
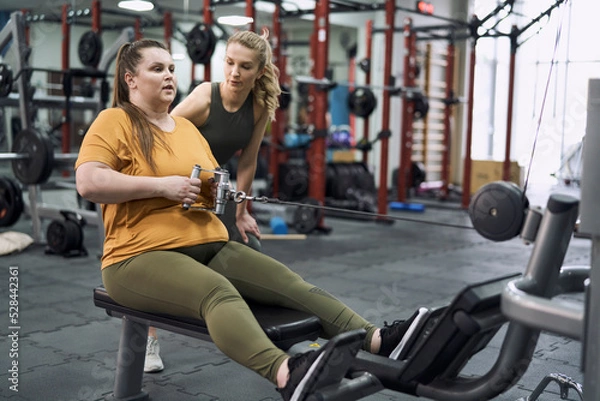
(319, 53)
(466, 186)
(351, 82)
(445, 175)
(137, 29)
(368, 55)
(66, 45)
(208, 20)
(168, 22)
(25, 11)
(406, 135)
(96, 13)
(250, 12)
(382, 196)
(277, 126)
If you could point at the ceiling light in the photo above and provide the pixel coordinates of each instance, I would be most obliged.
(136, 5)
(235, 20)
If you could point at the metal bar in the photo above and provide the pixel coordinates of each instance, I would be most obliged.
(407, 114)
(250, 12)
(53, 212)
(555, 315)
(208, 20)
(445, 175)
(77, 102)
(427, 90)
(327, 84)
(21, 156)
(168, 32)
(130, 361)
(509, 106)
(466, 182)
(590, 224)
(539, 17)
(137, 26)
(278, 127)
(320, 54)
(528, 299)
(12, 156)
(382, 195)
(369, 56)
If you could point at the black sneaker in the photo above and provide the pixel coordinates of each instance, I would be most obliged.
(301, 367)
(316, 369)
(397, 337)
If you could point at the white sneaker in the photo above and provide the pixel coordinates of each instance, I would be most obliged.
(153, 363)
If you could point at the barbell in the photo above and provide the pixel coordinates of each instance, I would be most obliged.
(33, 157)
(362, 100)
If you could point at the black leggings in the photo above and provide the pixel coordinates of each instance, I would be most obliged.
(210, 282)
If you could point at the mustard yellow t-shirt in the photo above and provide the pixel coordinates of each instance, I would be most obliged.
(138, 226)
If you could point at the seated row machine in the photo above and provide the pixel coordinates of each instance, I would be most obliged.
(430, 367)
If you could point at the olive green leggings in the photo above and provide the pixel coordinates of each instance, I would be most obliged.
(210, 282)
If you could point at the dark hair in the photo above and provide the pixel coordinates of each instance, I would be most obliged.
(267, 88)
(128, 59)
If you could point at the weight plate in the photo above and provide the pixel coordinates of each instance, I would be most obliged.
(420, 106)
(497, 210)
(285, 97)
(37, 167)
(6, 80)
(18, 191)
(200, 43)
(362, 102)
(11, 202)
(307, 219)
(365, 65)
(90, 49)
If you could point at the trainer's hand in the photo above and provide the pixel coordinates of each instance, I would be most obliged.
(247, 224)
(180, 189)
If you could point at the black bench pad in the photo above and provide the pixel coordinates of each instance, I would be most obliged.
(285, 327)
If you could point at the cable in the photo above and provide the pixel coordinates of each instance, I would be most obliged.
(383, 217)
(539, 122)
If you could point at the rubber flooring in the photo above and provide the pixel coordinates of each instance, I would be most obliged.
(67, 347)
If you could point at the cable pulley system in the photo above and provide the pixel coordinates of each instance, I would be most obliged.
(498, 210)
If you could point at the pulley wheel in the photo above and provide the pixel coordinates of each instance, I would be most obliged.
(11, 202)
(497, 210)
(64, 236)
(306, 218)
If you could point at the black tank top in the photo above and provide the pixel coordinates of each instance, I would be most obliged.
(227, 132)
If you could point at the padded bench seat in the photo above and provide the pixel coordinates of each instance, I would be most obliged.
(285, 327)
